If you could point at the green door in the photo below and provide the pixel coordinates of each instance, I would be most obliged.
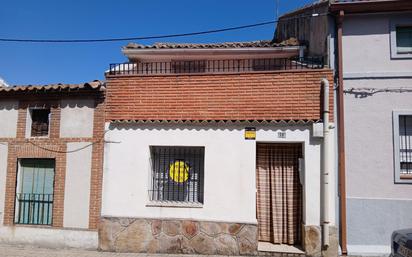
(34, 203)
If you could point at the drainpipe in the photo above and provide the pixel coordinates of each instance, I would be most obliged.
(341, 138)
(301, 52)
(325, 163)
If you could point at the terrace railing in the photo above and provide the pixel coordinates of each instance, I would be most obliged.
(215, 66)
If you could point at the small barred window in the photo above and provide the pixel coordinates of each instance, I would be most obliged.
(405, 144)
(177, 174)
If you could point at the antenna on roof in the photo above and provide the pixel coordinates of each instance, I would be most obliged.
(277, 10)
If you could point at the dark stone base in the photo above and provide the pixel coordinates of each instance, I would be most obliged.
(141, 235)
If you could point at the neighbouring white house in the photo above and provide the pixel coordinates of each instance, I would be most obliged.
(369, 43)
(219, 149)
(51, 158)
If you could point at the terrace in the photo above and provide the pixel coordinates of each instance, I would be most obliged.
(214, 66)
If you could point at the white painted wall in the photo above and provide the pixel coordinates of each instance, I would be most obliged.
(3, 175)
(77, 186)
(49, 237)
(77, 118)
(8, 118)
(229, 185)
(366, 45)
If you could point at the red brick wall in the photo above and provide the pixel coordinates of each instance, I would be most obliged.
(287, 95)
(22, 147)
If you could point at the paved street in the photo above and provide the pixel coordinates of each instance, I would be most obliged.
(20, 251)
(24, 251)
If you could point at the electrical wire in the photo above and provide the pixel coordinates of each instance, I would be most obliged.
(28, 40)
(71, 151)
(133, 38)
(370, 91)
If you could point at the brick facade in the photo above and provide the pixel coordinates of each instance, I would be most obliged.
(273, 95)
(54, 147)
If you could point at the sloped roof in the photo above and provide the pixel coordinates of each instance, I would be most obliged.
(259, 44)
(94, 85)
(369, 6)
(304, 8)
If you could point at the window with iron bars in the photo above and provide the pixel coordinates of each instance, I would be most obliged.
(405, 144)
(34, 192)
(177, 174)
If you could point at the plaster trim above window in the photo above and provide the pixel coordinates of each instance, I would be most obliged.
(395, 23)
(399, 178)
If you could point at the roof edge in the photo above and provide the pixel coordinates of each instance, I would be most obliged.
(372, 6)
(189, 121)
(303, 9)
(92, 85)
(209, 46)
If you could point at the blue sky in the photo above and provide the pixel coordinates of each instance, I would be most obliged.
(33, 63)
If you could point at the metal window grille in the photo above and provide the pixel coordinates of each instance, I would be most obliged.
(405, 144)
(177, 174)
(40, 122)
(35, 209)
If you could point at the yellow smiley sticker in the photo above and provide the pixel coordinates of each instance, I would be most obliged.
(179, 171)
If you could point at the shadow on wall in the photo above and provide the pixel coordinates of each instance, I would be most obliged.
(72, 103)
(77, 103)
(215, 126)
(9, 105)
(361, 26)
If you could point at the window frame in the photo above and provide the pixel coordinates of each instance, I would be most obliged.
(169, 203)
(394, 24)
(18, 188)
(396, 146)
(29, 125)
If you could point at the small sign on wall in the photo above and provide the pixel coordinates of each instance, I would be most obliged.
(282, 134)
(250, 133)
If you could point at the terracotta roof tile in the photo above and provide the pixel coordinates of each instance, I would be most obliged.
(96, 84)
(260, 44)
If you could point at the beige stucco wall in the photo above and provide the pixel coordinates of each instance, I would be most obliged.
(3, 173)
(369, 139)
(8, 118)
(77, 118)
(77, 186)
(376, 205)
(367, 46)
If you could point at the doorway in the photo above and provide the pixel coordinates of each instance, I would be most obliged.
(279, 193)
